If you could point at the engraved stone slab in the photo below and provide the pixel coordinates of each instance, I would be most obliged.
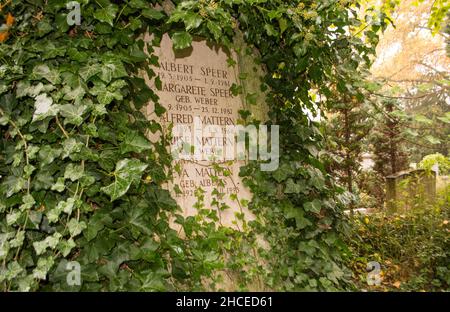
(196, 87)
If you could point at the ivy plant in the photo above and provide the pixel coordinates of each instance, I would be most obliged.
(81, 182)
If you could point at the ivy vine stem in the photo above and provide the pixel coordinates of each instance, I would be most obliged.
(61, 127)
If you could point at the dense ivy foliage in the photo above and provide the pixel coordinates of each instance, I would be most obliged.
(81, 182)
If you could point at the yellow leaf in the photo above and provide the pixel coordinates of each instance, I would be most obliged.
(397, 284)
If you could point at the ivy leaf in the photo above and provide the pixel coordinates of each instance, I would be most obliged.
(106, 14)
(14, 269)
(43, 71)
(96, 223)
(63, 206)
(89, 71)
(67, 206)
(152, 14)
(74, 94)
(294, 188)
(141, 93)
(270, 30)
(73, 114)
(12, 185)
(298, 215)
(43, 267)
(112, 69)
(66, 246)
(313, 206)
(18, 240)
(138, 4)
(75, 227)
(192, 20)
(49, 242)
(71, 146)
(445, 118)
(28, 202)
(282, 22)
(136, 53)
(44, 107)
(47, 155)
(12, 217)
(214, 29)
(76, 54)
(59, 186)
(24, 88)
(411, 132)
(43, 28)
(73, 172)
(282, 173)
(106, 95)
(181, 40)
(4, 120)
(134, 142)
(127, 171)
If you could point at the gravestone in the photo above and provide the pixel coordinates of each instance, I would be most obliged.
(195, 91)
(410, 188)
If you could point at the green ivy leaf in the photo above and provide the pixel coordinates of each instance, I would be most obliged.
(66, 246)
(294, 188)
(48, 154)
(138, 4)
(89, 71)
(18, 240)
(13, 270)
(134, 142)
(127, 171)
(49, 242)
(75, 227)
(12, 185)
(44, 107)
(43, 71)
(43, 267)
(106, 95)
(214, 29)
(314, 206)
(70, 147)
(96, 223)
(28, 202)
(192, 20)
(59, 186)
(271, 31)
(152, 14)
(106, 14)
(181, 40)
(73, 114)
(73, 172)
(112, 69)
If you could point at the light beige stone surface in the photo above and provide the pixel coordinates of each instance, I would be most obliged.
(196, 82)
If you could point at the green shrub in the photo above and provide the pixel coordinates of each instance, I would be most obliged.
(413, 248)
(430, 160)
